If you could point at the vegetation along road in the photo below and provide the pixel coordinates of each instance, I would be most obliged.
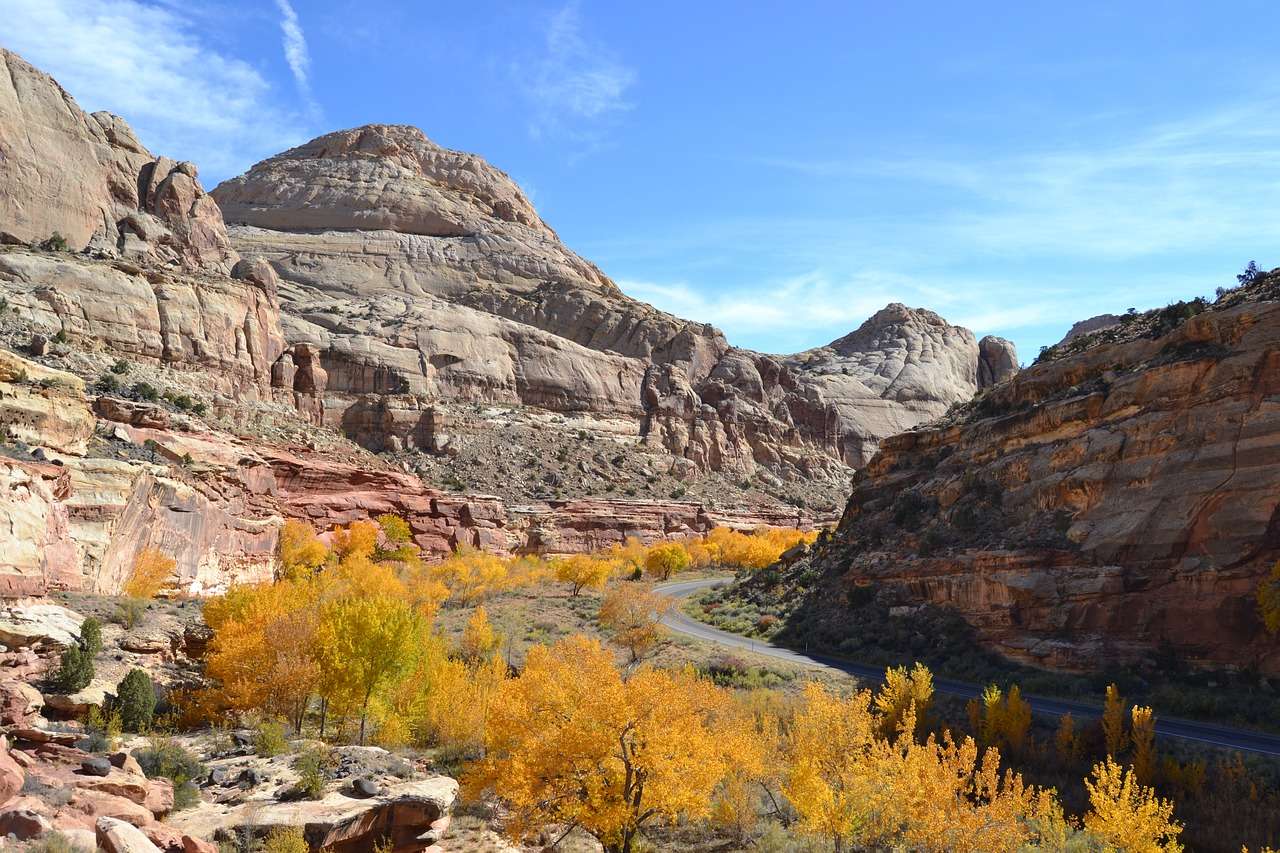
(677, 620)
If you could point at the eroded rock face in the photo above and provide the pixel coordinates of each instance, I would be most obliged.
(420, 275)
(88, 179)
(1099, 506)
(229, 327)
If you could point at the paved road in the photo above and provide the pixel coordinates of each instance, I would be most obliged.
(1244, 740)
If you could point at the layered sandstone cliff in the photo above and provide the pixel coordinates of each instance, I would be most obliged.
(1104, 504)
(401, 295)
(87, 179)
(419, 275)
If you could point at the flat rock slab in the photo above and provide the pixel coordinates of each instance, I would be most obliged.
(26, 624)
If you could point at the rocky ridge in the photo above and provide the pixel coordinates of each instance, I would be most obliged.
(1107, 503)
(88, 180)
(422, 277)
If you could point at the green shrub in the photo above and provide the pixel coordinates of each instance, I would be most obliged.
(136, 701)
(144, 391)
(312, 766)
(91, 635)
(269, 739)
(60, 337)
(171, 760)
(75, 670)
(55, 243)
(107, 384)
(120, 368)
(129, 612)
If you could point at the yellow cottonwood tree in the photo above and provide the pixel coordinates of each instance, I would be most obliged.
(849, 784)
(903, 690)
(363, 642)
(584, 571)
(632, 612)
(1113, 714)
(571, 742)
(1144, 744)
(665, 560)
(471, 574)
(1127, 816)
(828, 780)
(300, 551)
(479, 641)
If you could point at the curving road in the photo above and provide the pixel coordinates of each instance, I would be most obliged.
(1245, 740)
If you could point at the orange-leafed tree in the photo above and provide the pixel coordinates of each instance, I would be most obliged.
(301, 551)
(632, 613)
(151, 570)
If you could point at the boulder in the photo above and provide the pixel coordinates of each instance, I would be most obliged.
(97, 766)
(27, 623)
(11, 774)
(159, 797)
(126, 762)
(20, 703)
(23, 824)
(117, 836)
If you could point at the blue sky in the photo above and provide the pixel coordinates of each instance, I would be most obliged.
(779, 169)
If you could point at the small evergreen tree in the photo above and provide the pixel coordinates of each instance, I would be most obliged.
(91, 637)
(136, 698)
(75, 670)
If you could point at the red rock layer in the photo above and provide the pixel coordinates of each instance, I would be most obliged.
(1109, 504)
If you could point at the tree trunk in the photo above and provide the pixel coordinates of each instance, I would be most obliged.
(324, 714)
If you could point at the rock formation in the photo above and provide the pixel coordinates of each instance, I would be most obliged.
(87, 179)
(395, 293)
(419, 275)
(1099, 505)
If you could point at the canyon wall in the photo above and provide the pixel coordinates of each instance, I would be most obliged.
(1104, 504)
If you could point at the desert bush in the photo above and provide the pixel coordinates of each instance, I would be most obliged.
(312, 766)
(269, 739)
(129, 612)
(165, 757)
(144, 391)
(136, 701)
(286, 839)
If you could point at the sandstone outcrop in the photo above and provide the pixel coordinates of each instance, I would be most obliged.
(229, 328)
(89, 180)
(1099, 505)
(421, 276)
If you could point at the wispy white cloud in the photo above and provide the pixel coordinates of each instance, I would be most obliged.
(1203, 179)
(575, 84)
(147, 62)
(295, 52)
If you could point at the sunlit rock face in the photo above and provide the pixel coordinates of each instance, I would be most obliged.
(1099, 506)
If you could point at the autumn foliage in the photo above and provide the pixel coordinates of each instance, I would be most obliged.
(580, 734)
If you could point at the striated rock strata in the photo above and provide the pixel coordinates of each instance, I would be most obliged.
(1099, 506)
(413, 275)
(88, 179)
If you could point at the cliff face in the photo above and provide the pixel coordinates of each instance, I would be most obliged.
(88, 179)
(419, 275)
(1112, 501)
(401, 296)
